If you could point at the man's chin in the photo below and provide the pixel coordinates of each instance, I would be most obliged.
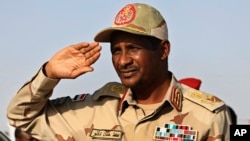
(129, 84)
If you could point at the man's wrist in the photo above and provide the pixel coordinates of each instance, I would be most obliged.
(44, 70)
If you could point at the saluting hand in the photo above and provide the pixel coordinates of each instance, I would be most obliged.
(73, 61)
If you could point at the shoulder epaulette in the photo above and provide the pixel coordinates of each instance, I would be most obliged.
(61, 100)
(113, 89)
(206, 100)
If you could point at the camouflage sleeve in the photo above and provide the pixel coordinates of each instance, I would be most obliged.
(220, 127)
(27, 104)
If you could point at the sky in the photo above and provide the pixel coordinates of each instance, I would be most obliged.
(209, 41)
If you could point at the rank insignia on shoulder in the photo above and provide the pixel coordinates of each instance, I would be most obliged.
(79, 97)
(208, 101)
(61, 100)
(175, 132)
(113, 89)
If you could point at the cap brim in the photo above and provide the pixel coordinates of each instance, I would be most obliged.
(104, 35)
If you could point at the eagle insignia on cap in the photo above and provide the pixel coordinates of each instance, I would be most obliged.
(125, 15)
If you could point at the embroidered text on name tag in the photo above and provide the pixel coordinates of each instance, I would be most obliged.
(106, 134)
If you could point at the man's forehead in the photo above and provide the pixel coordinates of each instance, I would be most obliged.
(129, 42)
(119, 36)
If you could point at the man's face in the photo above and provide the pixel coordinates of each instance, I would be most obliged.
(135, 59)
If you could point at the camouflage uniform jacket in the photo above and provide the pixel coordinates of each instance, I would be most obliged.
(111, 113)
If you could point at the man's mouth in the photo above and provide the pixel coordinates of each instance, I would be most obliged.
(127, 73)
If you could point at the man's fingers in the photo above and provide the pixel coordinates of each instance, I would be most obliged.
(81, 71)
(81, 45)
(90, 47)
(95, 50)
(92, 59)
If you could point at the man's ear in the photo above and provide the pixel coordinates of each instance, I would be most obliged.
(165, 48)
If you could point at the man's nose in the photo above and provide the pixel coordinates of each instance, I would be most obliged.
(125, 58)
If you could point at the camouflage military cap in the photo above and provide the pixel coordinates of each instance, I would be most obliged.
(137, 18)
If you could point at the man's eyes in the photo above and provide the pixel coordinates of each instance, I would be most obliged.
(128, 48)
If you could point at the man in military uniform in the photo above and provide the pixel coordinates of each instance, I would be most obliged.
(149, 103)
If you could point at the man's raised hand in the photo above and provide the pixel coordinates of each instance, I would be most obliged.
(73, 61)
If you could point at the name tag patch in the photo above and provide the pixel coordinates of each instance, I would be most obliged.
(104, 134)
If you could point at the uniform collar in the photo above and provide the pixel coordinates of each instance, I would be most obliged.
(174, 96)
